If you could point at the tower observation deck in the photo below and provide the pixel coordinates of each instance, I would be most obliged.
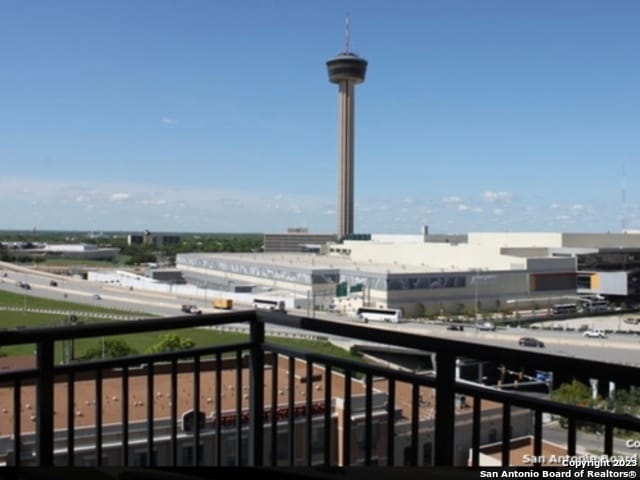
(347, 70)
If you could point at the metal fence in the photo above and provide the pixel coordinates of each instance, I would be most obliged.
(330, 438)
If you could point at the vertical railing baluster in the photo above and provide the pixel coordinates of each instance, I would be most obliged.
(44, 402)
(218, 409)
(174, 412)
(17, 416)
(391, 422)
(571, 436)
(291, 387)
(608, 440)
(415, 423)
(70, 419)
(196, 410)
(98, 416)
(327, 415)
(274, 410)
(125, 416)
(346, 420)
(368, 409)
(477, 412)
(150, 461)
(506, 434)
(256, 395)
(308, 419)
(445, 409)
(238, 408)
(537, 436)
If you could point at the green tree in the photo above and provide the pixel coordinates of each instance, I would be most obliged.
(169, 342)
(577, 393)
(111, 348)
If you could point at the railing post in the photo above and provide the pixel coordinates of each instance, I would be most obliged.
(256, 402)
(445, 409)
(44, 403)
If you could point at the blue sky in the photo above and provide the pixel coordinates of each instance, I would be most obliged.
(205, 115)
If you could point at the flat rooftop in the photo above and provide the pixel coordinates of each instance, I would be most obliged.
(85, 399)
(311, 262)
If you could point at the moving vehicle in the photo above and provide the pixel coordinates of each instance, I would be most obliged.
(486, 326)
(530, 342)
(389, 315)
(632, 321)
(191, 309)
(95, 296)
(24, 285)
(456, 328)
(266, 304)
(564, 309)
(595, 333)
(594, 303)
(53, 283)
(222, 303)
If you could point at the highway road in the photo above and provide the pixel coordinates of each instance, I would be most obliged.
(618, 347)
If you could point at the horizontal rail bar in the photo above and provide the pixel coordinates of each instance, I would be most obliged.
(468, 349)
(33, 335)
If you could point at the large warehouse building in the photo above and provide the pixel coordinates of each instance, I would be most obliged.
(421, 274)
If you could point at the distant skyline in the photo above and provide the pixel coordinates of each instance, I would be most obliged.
(218, 116)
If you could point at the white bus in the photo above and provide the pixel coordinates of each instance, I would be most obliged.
(597, 306)
(564, 308)
(392, 315)
(267, 304)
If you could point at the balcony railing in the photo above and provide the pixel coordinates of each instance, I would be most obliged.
(289, 399)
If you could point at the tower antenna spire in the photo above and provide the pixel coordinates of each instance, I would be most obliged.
(346, 33)
(624, 199)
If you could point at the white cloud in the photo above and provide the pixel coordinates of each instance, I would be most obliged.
(295, 209)
(451, 200)
(554, 206)
(119, 197)
(78, 205)
(169, 121)
(157, 202)
(497, 197)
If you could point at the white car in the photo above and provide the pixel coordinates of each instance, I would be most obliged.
(595, 334)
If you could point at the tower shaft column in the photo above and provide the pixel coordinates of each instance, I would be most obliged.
(346, 70)
(346, 113)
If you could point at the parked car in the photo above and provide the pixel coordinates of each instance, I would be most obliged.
(632, 321)
(595, 334)
(530, 342)
(53, 283)
(95, 296)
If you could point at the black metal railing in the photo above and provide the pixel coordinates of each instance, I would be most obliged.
(277, 428)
